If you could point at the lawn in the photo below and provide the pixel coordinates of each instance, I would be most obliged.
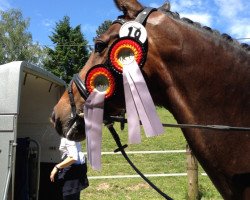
(137, 188)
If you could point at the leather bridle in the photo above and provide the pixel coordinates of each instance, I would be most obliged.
(80, 85)
(84, 94)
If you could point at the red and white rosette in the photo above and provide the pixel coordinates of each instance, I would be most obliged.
(126, 46)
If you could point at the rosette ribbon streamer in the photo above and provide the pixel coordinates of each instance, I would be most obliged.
(139, 103)
(93, 116)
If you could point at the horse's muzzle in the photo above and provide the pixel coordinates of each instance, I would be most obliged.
(72, 129)
(76, 130)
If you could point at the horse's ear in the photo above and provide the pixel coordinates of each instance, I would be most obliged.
(166, 6)
(130, 8)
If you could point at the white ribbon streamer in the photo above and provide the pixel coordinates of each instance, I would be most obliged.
(134, 135)
(137, 96)
(93, 116)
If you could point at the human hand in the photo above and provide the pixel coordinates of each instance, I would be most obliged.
(52, 174)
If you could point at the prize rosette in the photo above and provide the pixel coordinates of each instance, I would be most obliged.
(100, 78)
(125, 50)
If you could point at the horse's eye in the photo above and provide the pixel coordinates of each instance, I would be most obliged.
(100, 46)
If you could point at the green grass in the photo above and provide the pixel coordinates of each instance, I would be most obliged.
(136, 188)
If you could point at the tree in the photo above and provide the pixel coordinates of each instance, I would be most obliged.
(15, 41)
(102, 28)
(70, 52)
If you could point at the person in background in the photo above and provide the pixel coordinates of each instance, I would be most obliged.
(71, 172)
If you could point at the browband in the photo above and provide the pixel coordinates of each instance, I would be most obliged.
(141, 18)
(119, 21)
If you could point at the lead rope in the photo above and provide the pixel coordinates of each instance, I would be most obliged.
(121, 149)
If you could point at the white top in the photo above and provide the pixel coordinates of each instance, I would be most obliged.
(72, 149)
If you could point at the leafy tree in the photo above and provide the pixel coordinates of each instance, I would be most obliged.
(102, 28)
(15, 41)
(70, 52)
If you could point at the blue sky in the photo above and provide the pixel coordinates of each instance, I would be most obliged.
(227, 16)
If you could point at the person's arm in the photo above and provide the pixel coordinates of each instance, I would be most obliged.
(65, 163)
(72, 158)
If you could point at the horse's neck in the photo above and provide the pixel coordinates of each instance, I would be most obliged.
(210, 81)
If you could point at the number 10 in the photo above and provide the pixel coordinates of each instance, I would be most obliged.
(134, 32)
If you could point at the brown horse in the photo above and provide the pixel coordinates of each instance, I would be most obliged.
(201, 77)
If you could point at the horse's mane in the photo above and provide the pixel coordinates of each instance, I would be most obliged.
(226, 37)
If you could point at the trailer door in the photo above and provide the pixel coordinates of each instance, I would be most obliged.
(7, 150)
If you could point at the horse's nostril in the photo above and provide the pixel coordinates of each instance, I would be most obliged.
(56, 123)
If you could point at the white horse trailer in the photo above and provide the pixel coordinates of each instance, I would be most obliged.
(28, 142)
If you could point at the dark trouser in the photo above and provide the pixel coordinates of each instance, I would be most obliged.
(72, 180)
(75, 196)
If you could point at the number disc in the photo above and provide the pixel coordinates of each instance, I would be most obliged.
(135, 30)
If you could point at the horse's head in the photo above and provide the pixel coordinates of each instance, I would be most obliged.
(68, 114)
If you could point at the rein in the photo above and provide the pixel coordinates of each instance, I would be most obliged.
(121, 149)
(122, 120)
